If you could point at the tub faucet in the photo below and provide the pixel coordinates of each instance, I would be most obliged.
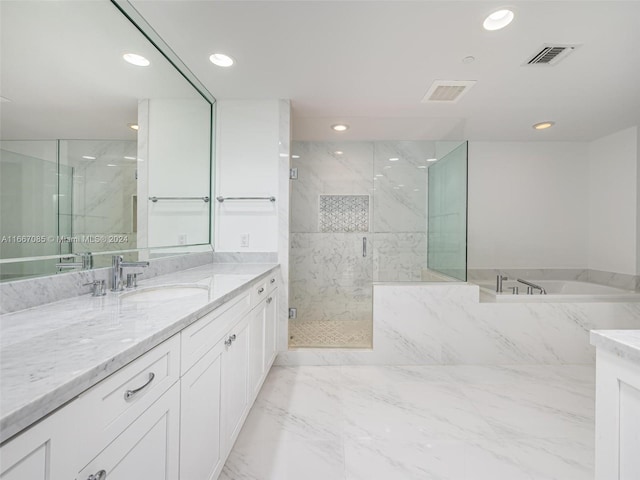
(532, 285)
(499, 280)
(118, 265)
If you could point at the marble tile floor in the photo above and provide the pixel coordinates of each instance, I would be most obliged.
(330, 333)
(531, 422)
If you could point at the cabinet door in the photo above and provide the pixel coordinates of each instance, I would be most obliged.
(147, 448)
(200, 453)
(235, 367)
(256, 348)
(270, 329)
(45, 451)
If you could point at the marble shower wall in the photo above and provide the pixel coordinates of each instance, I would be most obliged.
(400, 210)
(329, 277)
(394, 175)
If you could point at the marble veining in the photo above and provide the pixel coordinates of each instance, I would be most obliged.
(624, 343)
(445, 324)
(516, 422)
(52, 353)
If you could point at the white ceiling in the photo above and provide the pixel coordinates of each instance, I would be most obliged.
(370, 63)
(61, 66)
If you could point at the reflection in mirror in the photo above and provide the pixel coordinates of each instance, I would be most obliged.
(75, 177)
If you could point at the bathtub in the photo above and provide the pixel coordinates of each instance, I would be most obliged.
(557, 291)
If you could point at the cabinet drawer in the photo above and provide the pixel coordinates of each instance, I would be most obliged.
(260, 290)
(116, 401)
(200, 337)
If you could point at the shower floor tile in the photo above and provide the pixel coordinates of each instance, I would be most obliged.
(405, 423)
(330, 333)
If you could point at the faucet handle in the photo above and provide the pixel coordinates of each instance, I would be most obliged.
(99, 288)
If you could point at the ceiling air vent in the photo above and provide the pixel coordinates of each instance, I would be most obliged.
(447, 91)
(550, 54)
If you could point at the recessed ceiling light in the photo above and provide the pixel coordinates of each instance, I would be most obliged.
(468, 59)
(111, 165)
(498, 20)
(432, 159)
(394, 159)
(544, 125)
(422, 166)
(135, 59)
(338, 152)
(379, 175)
(88, 157)
(401, 185)
(221, 60)
(295, 156)
(134, 126)
(340, 127)
(129, 158)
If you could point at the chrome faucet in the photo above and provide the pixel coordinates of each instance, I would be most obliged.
(85, 263)
(499, 280)
(118, 265)
(532, 286)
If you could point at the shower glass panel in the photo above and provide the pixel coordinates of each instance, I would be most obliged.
(447, 243)
(400, 210)
(331, 257)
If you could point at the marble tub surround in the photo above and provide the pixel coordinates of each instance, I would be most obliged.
(612, 279)
(32, 292)
(516, 422)
(623, 343)
(52, 353)
(445, 324)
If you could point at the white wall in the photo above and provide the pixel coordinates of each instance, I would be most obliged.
(247, 164)
(613, 202)
(528, 205)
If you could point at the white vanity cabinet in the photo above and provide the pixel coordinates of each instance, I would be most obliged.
(208, 364)
(172, 413)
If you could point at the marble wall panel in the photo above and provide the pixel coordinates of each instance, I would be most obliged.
(400, 195)
(446, 324)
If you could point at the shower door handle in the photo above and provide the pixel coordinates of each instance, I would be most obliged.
(364, 246)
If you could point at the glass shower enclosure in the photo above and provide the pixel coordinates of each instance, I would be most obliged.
(365, 212)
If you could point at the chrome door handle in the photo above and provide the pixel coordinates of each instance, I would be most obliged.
(364, 246)
(101, 475)
(128, 395)
(228, 342)
(233, 337)
(269, 300)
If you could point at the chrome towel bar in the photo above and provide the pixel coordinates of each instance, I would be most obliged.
(222, 199)
(155, 199)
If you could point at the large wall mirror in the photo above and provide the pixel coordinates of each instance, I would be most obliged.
(97, 155)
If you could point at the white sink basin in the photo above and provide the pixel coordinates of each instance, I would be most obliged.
(165, 292)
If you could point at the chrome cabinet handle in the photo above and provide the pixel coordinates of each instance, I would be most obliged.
(364, 246)
(101, 475)
(228, 342)
(233, 337)
(273, 280)
(261, 289)
(269, 300)
(129, 394)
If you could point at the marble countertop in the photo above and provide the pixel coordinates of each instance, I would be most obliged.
(52, 353)
(624, 343)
